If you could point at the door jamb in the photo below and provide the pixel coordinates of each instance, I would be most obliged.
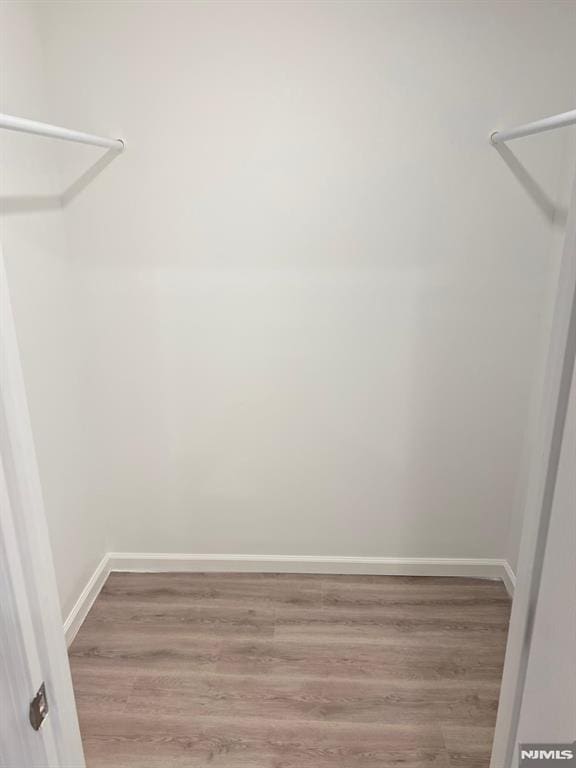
(539, 499)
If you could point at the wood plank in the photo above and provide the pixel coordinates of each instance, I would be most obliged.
(316, 699)
(123, 647)
(208, 620)
(146, 740)
(361, 660)
(468, 626)
(259, 591)
(468, 746)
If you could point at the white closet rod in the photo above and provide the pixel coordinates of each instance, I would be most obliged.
(538, 126)
(55, 132)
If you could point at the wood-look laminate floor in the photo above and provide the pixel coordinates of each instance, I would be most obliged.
(290, 671)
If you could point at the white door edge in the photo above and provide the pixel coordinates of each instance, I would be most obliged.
(29, 582)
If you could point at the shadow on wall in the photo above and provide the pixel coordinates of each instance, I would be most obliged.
(459, 384)
(13, 204)
(555, 215)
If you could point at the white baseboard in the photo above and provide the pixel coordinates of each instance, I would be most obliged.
(85, 601)
(509, 578)
(480, 568)
(483, 568)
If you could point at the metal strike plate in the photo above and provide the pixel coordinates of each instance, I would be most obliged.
(38, 708)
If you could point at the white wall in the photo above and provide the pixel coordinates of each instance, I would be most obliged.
(47, 305)
(317, 293)
(304, 313)
(549, 704)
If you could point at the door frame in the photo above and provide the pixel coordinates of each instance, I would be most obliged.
(541, 484)
(32, 642)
